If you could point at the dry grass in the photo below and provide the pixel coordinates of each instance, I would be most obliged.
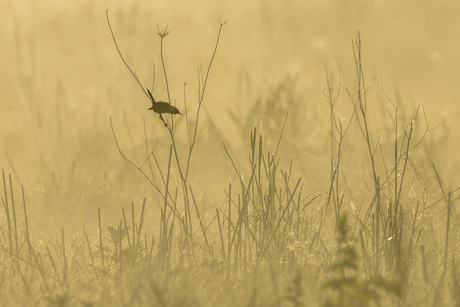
(378, 229)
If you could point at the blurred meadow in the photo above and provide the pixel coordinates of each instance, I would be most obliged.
(278, 69)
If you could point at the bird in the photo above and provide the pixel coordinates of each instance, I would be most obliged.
(161, 107)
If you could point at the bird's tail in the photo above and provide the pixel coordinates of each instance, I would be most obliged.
(151, 96)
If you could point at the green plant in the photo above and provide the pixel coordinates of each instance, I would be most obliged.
(348, 287)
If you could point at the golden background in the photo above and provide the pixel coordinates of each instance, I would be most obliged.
(62, 78)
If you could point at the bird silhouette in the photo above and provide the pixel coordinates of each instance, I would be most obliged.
(161, 107)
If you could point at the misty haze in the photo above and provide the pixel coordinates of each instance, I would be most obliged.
(229, 153)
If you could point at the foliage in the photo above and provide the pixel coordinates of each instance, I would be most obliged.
(349, 289)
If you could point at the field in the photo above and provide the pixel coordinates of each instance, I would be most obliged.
(315, 161)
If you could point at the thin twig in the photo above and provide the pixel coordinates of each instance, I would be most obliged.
(121, 56)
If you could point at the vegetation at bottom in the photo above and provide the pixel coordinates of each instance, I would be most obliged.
(270, 240)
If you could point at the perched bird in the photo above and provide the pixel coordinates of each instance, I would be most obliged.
(162, 107)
